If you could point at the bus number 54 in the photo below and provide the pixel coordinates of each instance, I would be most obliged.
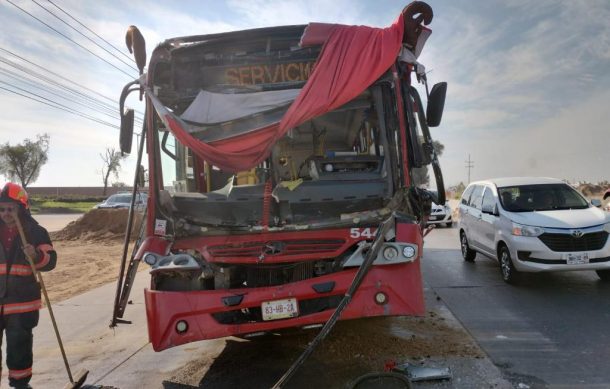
(362, 232)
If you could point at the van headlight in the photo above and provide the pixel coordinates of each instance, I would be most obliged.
(523, 230)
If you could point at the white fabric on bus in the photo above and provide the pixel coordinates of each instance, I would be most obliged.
(211, 107)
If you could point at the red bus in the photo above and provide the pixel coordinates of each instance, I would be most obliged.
(274, 155)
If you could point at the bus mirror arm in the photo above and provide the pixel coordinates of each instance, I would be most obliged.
(127, 119)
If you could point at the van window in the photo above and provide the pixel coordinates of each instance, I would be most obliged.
(488, 199)
(476, 199)
(541, 197)
(466, 194)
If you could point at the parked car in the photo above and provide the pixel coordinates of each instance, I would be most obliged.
(533, 225)
(123, 200)
(440, 215)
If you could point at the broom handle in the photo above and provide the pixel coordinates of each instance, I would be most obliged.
(46, 298)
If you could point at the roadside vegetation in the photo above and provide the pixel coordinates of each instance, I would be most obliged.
(64, 203)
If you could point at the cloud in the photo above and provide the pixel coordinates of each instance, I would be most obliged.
(262, 13)
(518, 71)
(572, 145)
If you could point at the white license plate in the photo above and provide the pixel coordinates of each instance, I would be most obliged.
(576, 258)
(279, 309)
(432, 218)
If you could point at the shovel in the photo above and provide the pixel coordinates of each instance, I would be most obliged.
(75, 381)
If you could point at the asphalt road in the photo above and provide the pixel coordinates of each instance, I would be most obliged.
(55, 222)
(123, 358)
(551, 330)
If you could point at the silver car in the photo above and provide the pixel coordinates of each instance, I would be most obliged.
(533, 225)
(123, 200)
(440, 215)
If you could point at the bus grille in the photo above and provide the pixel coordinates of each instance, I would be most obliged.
(280, 247)
(278, 274)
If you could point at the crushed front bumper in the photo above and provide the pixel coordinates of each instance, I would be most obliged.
(204, 312)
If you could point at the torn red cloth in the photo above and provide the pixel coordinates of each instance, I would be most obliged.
(352, 58)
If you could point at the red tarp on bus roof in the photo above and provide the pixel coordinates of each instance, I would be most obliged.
(352, 58)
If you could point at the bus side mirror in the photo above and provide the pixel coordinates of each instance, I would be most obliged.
(126, 135)
(436, 104)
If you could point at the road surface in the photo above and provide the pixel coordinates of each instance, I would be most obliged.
(550, 330)
(124, 359)
(55, 222)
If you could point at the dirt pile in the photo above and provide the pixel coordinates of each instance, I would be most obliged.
(99, 224)
(351, 349)
(82, 266)
(410, 337)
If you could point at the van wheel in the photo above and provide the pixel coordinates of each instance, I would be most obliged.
(467, 252)
(604, 275)
(509, 273)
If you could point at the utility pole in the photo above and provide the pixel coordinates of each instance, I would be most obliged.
(469, 165)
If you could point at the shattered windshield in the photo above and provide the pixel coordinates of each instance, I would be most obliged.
(328, 169)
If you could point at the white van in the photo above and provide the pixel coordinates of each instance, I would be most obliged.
(533, 224)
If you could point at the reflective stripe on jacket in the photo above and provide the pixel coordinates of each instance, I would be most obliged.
(19, 290)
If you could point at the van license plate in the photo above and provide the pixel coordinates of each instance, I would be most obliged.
(576, 259)
(280, 309)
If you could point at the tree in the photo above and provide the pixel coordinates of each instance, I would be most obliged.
(420, 176)
(119, 184)
(112, 165)
(23, 161)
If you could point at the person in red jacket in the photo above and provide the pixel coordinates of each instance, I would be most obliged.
(19, 290)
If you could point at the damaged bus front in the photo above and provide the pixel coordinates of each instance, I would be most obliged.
(274, 155)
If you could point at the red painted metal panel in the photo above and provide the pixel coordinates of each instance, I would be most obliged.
(401, 283)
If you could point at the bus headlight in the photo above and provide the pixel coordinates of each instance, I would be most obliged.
(390, 253)
(408, 251)
(150, 259)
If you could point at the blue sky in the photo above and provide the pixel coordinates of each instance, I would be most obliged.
(528, 93)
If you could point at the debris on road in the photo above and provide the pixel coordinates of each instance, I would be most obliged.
(423, 373)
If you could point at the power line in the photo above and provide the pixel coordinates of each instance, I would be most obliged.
(50, 81)
(69, 110)
(101, 104)
(53, 82)
(49, 90)
(85, 36)
(110, 113)
(93, 32)
(70, 39)
(60, 76)
(65, 107)
(106, 110)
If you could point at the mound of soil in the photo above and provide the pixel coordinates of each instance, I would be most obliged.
(99, 224)
(82, 266)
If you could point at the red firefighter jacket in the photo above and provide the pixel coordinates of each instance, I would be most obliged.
(19, 290)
